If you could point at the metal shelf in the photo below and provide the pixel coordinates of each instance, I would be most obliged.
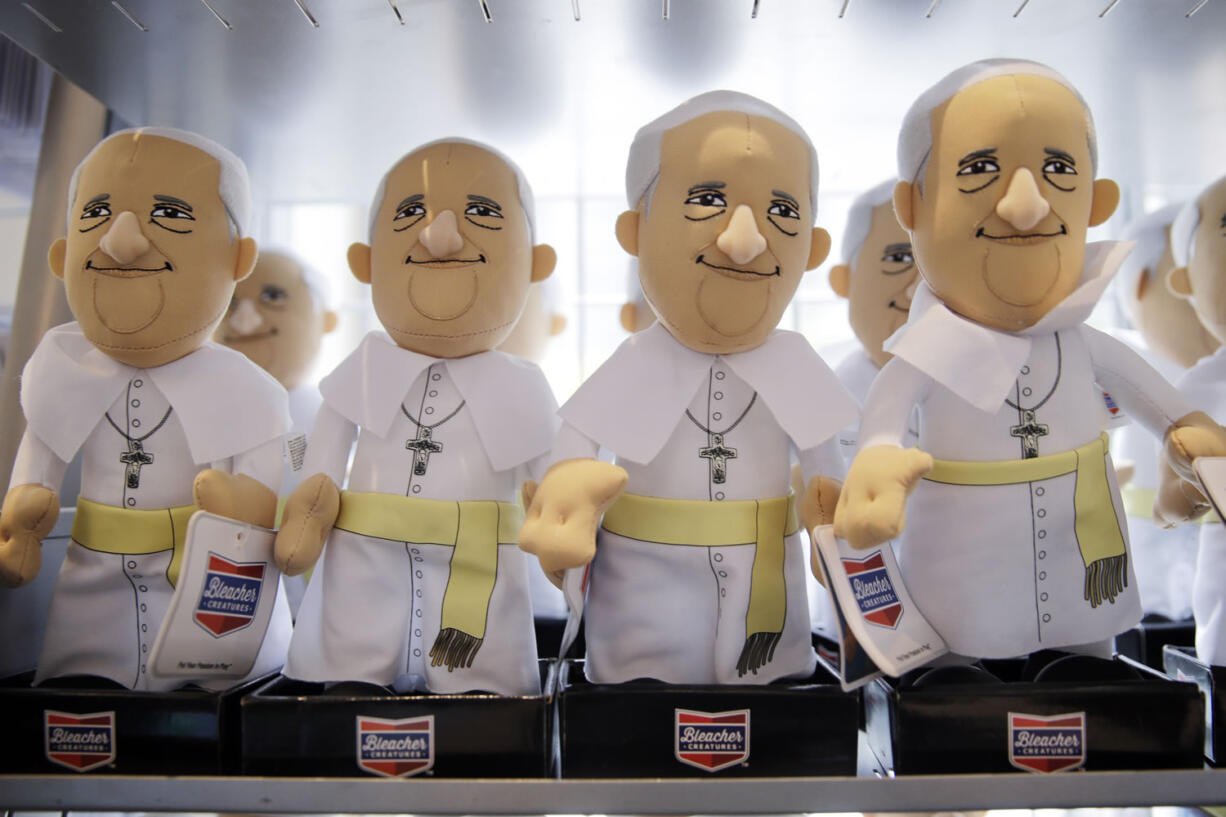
(635, 796)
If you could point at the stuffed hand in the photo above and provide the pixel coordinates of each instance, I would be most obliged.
(1180, 498)
(817, 506)
(28, 515)
(872, 504)
(565, 510)
(310, 512)
(235, 496)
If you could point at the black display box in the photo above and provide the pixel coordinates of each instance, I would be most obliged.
(119, 731)
(1183, 665)
(652, 729)
(1146, 641)
(296, 728)
(960, 720)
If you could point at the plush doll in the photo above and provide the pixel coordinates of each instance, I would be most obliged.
(697, 572)
(421, 585)
(1198, 243)
(165, 420)
(1170, 337)
(539, 323)
(1015, 538)
(277, 318)
(878, 278)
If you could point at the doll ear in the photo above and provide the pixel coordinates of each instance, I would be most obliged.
(819, 248)
(557, 324)
(1106, 199)
(1179, 283)
(628, 231)
(840, 279)
(330, 321)
(56, 255)
(248, 252)
(359, 261)
(629, 316)
(544, 259)
(903, 210)
(1142, 283)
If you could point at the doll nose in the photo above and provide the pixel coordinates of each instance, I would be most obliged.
(441, 238)
(246, 318)
(123, 240)
(741, 240)
(1023, 206)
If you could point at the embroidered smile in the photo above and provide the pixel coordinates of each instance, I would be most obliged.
(439, 262)
(130, 272)
(1023, 238)
(906, 310)
(735, 270)
(253, 336)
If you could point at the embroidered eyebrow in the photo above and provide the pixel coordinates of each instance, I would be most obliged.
(410, 200)
(172, 200)
(1060, 154)
(98, 199)
(484, 200)
(787, 196)
(976, 155)
(707, 186)
(1224, 219)
(890, 249)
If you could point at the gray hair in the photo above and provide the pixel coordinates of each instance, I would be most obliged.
(915, 138)
(860, 219)
(643, 164)
(1150, 234)
(1183, 229)
(526, 201)
(233, 187)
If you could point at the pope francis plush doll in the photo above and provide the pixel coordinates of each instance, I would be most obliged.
(165, 420)
(1015, 538)
(697, 571)
(421, 585)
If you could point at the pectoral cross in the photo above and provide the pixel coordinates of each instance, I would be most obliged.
(717, 454)
(422, 447)
(134, 458)
(1030, 432)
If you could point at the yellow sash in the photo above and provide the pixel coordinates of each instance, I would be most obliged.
(1099, 537)
(761, 522)
(111, 529)
(1139, 502)
(474, 529)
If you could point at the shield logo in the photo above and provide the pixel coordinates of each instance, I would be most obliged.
(79, 742)
(230, 595)
(873, 590)
(711, 740)
(1048, 744)
(395, 748)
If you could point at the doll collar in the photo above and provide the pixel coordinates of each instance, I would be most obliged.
(510, 401)
(979, 363)
(632, 404)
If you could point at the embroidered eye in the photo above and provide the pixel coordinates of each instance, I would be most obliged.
(171, 212)
(1059, 166)
(96, 214)
(978, 167)
(783, 209)
(708, 198)
(273, 295)
(481, 210)
(164, 214)
(416, 209)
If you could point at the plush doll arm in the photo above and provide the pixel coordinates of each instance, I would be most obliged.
(1180, 498)
(245, 488)
(30, 510)
(312, 507)
(561, 521)
(817, 506)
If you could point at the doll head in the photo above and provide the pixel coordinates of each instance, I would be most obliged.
(1198, 245)
(998, 190)
(539, 323)
(154, 246)
(724, 190)
(878, 273)
(1166, 321)
(451, 254)
(278, 317)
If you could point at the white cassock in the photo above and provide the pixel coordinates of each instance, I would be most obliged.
(1205, 386)
(857, 372)
(1005, 566)
(375, 606)
(144, 435)
(1164, 559)
(712, 429)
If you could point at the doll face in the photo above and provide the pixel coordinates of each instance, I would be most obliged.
(728, 233)
(999, 230)
(882, 282)
(1168, 323)
(274, 320)
(452, 256)
(149, 263)
(1207, 268)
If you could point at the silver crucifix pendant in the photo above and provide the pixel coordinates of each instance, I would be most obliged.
(422, 447)
(134, 458)
(1029, 431)
(717, 455)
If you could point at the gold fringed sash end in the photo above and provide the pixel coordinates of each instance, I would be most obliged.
(758, 651)
(455, 648)
(1106, 579)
